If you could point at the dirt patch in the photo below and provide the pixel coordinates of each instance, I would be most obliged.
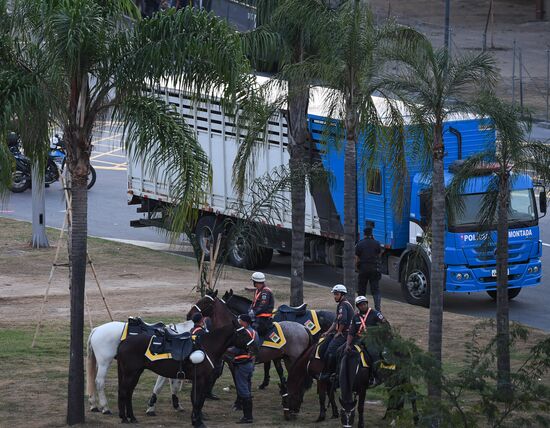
(157, 286)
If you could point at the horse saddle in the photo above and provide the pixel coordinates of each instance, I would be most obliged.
(136, 325)
(168, 344)
(300, 315)
(297, 310)
(274, 338)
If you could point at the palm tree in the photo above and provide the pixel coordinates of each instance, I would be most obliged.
(351, 60)
(435, 86)
(512, 156)
(21, 86)
(293, 41)
(94, 58)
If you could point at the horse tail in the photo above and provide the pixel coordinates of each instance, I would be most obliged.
(91, 367)
(300, 365)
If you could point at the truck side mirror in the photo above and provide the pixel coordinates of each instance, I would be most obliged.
(542, 202)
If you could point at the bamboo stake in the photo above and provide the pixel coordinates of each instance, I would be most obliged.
(215, 259)
(200, 273)
(47, 291)
(99, 286)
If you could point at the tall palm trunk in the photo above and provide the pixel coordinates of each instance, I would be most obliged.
(79, 166)
(298, 133)
(350, 194)
(437, 277)
(39, 237)
(77, 262)
(503, 331)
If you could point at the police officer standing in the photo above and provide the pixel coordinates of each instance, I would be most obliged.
(367, 261)
(244, 368)
(262, 304)
(344, 314)
(365, 317)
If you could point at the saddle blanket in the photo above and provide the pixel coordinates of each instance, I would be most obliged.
(275, 338)
(308, 319)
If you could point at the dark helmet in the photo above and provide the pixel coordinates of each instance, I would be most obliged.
(196, 317)
(246, 318)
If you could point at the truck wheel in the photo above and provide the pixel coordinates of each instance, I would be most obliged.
(415, 283)
(512, 293)
(246, 255)
(206, 231)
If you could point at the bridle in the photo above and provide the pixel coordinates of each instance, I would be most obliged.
(197, 307)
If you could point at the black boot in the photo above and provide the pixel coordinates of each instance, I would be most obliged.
(238, 404)
(247, 412)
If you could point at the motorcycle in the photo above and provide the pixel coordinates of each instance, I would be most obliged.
(55, 165)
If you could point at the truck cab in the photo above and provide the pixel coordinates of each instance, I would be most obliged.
(469, 250)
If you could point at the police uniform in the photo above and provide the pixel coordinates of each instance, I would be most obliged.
(262, 307)
(344, 315)
(243, 362)
(368, 252)
(361, 322)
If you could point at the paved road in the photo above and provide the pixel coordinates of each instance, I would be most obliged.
(109, 216)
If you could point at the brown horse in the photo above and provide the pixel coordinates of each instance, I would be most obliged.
(132, 362)
(300, 378)
(297, 336)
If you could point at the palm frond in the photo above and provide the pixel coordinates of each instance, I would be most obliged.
(153, 132)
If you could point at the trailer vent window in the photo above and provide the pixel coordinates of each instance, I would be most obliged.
(374, 182)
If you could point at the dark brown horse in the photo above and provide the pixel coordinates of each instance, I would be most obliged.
(297, 336)
(240, 305)
(354, 382)
(132, 362)
(300, 378)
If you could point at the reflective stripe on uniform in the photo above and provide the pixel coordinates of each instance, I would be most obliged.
(363, 321)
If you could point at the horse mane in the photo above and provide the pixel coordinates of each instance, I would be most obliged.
(242, 299)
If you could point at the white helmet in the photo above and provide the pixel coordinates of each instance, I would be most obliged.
(360, 299)
(258, 277)
(339, 288)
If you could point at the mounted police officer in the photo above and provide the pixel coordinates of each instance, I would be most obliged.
(243, 362)
(344, 314)
(364, 317)
(262, 305)
(367, 261)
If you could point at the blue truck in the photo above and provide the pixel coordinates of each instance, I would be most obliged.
(470, 261)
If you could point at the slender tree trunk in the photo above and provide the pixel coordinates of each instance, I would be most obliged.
(77, 261)
(39, 237)
(298, 133)
(78, 151)
(350, 195)
(437, 277)
(503, 321)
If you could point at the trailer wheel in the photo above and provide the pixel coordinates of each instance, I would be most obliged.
(207, 230)
(244, 254)
(512, 293)
(415, 283)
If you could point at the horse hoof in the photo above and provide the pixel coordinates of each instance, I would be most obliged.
(124, 421)
(133, 420)
(151, 413)
(321, 418)
(179, 409)
(335, 416)
(263, 386)
(94, 409)
(107, 412)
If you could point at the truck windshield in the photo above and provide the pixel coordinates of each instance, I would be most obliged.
(522, 210)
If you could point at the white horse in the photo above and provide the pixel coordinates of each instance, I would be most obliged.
(102, 348)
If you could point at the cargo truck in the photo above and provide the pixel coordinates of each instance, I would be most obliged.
(470, 261)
